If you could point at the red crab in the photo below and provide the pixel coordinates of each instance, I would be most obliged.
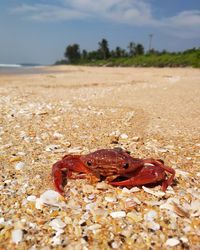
(112, 164)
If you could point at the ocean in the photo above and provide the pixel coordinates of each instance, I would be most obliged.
(21, 69)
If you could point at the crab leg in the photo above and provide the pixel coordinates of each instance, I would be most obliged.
(166, 182)
(151, 172)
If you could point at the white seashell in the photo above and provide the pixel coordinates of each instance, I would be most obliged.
(110, 199)
(38, 203)
(182, 173)
(172, 242)
(153, 225)
(163, 150)
(94, 227)
(124, 136)
(90, 206)
(102, 186)
(31, 198)
(52, 147)
(2, 220)
(17, 235)
(57, 224)
(57, 135)
(50, 197)
(118, 214)
(132, 190)
(184, 239)
(150, 216)
(155, 193)
(115, 245)
(19, 165)
(76, 150)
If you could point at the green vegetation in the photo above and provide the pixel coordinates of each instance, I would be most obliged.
(133, 56)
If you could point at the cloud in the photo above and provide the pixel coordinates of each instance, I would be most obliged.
(46, 13)
(132, 12)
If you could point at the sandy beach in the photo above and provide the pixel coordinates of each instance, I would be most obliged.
(74, 109)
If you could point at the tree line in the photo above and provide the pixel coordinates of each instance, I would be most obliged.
(73, 53)
(133, 55)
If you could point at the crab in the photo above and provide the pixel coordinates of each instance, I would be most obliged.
(115, 166)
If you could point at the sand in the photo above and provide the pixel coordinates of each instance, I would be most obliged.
(72, 109)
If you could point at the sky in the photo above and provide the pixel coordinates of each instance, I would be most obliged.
(38, 31)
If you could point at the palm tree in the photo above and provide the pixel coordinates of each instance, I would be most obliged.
(131, 48)
(103, 49)
(72, 53)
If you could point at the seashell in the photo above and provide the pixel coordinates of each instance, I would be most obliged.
(118, 214)
(52, 147)
(2, 220)
(181, 211)
(76, 150)
(172, 242)
(150, 216)
(88, 189)
(94, 227)
(182, 173)
(57, 224)
(20, 165)
(136, 217)
(31, 198)
(50, 197)
(124, 136)
(102, 186)
(155, 193)
(57, 135)
(17, 235)
(153, 225)
(132, 190)
(110, 199)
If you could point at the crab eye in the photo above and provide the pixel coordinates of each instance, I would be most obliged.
(126, 165)
(89, 163)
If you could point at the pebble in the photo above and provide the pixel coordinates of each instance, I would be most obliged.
(172, 242)
(20, 165)
(17, 235)
(136, 138)
(118, 214)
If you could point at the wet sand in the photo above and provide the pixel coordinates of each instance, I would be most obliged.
(72, 109)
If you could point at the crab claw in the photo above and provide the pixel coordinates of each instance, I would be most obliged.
(62, 170)
(57, 173)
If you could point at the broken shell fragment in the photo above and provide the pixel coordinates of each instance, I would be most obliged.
(118, 214)
(17, 235)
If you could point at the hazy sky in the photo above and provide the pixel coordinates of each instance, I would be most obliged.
(39, 30)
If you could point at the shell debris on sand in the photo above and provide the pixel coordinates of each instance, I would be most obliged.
(83, 109)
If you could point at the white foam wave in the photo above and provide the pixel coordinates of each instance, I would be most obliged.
(10, 65)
